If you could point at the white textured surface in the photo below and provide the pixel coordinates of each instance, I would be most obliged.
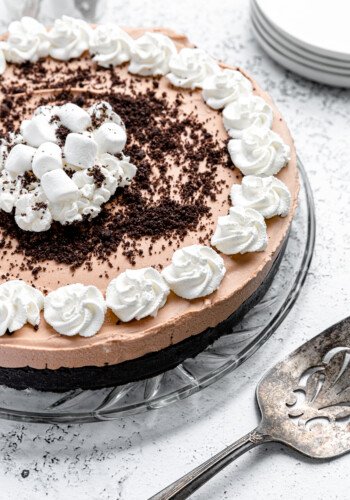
(134, 457)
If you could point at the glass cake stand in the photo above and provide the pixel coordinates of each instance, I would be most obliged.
(193, 375)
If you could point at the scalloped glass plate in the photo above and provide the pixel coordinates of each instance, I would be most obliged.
(193, 375)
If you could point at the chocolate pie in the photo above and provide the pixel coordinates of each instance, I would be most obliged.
(146, 196)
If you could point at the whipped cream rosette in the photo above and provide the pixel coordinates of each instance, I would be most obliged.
(110, 45)
(75, 310)
(245, 112)
(26, 41)
(225, 86)
(242, 230)
(195, 271)
(19, 304)
(259, 151)
(268, 195)
(137, 293)
(151, 54)
(69, 38)
(190, 68)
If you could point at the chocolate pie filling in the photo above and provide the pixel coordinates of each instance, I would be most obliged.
(182, 185)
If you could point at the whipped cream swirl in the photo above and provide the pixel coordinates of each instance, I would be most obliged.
(260, 152)
(32, 212)
(137, 293)
(68, 38)
(151, 54)
(75, 309)
(245, 112)
(110, 45)
(268, 195)
(26, 41)
(190, 68)
(195, 271)
(19, 304)
(225, 87)
(242, 230)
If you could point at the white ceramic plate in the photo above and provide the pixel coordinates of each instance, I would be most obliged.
(287, 44)
(296, 67)
(274, 40)
(320, 25)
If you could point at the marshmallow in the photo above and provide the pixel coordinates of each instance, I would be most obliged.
(80, 150)
(37, 130)
(58, 186)
(47, 157)
(110, 137)
(73, 117)
(19, 159)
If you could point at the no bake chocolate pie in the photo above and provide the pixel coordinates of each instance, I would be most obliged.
(146, 194)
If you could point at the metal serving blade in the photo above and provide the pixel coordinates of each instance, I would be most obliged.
(305, 399)
(305, 404)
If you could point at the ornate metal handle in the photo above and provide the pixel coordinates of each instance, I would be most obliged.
(190, 482)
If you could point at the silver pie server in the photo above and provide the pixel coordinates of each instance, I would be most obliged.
(305, 404)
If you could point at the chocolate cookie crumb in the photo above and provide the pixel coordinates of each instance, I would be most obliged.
(161, 203)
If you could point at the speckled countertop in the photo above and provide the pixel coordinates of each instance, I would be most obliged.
(134, 457)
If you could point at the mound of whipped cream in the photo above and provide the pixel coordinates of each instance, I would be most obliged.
(44, 180)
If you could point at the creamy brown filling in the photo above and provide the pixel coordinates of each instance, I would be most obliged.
(179, 164)
(161, 182)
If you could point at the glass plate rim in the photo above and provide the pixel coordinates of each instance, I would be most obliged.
(49, 416)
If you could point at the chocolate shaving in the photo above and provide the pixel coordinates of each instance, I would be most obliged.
(162, 202)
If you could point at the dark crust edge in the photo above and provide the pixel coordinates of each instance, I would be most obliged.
(152, 364)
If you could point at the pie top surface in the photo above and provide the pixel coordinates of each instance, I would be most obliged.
(182, 185)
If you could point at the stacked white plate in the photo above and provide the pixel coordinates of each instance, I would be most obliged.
(309, 37)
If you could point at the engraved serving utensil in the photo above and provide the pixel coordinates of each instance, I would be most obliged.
(305, 404)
